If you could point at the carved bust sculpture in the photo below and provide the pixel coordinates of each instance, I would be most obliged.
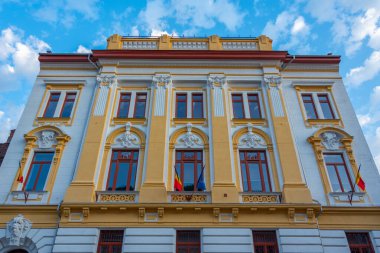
(330, 140)
(17, 229)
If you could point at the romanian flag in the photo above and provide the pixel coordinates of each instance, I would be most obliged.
(359, 181)
(20, 178)
(178, 186)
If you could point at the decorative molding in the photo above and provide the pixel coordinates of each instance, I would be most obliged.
(161, 80)
(331, 140)
(239, 45)
(190, 45)
(108, 81)
(120, 197)
(251, 140)
(128, 139)
(189, 197)
(261, 197)
(216, 81)
(139, 45)
(190, 140)
(17, 228)
(272, 81)
(46, 139)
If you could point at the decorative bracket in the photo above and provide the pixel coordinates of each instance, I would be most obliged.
(108, 81)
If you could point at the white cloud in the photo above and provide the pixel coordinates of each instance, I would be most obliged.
(67, 11)
(9, 119)
(19, 61)
(364, 119)
(83, 50)
(291, 30)
(192, 14)
(370, 68)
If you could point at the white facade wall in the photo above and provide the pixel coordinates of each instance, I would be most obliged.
(300, 240)
(84, 240)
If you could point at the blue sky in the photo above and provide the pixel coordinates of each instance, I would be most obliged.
(349, 28)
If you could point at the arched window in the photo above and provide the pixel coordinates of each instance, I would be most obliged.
(122, 160)
(335, 159)
(39, 164)
(189, 164)
(254, 160)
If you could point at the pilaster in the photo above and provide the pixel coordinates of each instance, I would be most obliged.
(153, 189)
(82, 188)
(294, 189)
(224, 188)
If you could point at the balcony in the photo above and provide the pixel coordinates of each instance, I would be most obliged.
(189, 197)
(117, 196)
(260, 197)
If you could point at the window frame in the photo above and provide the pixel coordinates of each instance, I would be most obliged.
(265, 244)
(348, 174)
(137, 100)
(247, 171)
(192, 104)
(182, 168)
(110, 244)
(68, 100)
(360, 246)
(326, 95)
(59, 93)
(129, 176)
(176, 104)
(189, 244)
(121, 101)
(32, 162)
(258, 104)
(242, 104)
(312, 102)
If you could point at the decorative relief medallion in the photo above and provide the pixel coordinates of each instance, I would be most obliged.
(17, 228)
(47, 139)
(331, 140)
(108, 81)
(251, 140)
(189, 139)
(128, 139)
(161, 79)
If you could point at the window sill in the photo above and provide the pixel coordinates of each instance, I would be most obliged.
(120, 121)
(189, 197)
(117, 196)
(261, 197)
(343, 197)
(57, 120)
(195, 121)
(261, 121)
(28, 196)
(316, 122)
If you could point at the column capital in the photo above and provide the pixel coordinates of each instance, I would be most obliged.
(216, 81)
(272, 81)
(161, 80)
(108, 81)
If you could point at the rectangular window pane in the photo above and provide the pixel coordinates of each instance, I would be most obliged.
(188, 241)
(265, 241)
(38, 171)
(255, 177)
(238, 107)
(110, 241)
(197, 106)
(181, 106)
(326, 106)
(308, 102)
(51, 105)
(338, 173)
(140, 105)
(111, 176)
(254, 106)
(359, 242)
(344, 178)
(333, 178)
(122, 173)
(254, 171)
(188, 178)
(121, 180)
(68, 105)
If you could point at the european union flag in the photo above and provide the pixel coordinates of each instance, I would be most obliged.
(201, 186)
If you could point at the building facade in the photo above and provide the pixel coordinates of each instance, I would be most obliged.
(188, 145)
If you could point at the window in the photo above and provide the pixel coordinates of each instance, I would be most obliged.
(254, 171)
(124, 103)
(359, 243)
(188, 241)
(326, 106)
(122, 172)
(52, 105)
(110, 241)
(197, 105)
(181, 106)
(265, 242)
(308, 102)
(38, 171)
(140, 105)
(237, 105)
(188, 165)
(254, 106)
(68, 105)
(338, 173)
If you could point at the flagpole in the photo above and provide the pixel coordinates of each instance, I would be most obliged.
(200, 175)
(353, 188)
